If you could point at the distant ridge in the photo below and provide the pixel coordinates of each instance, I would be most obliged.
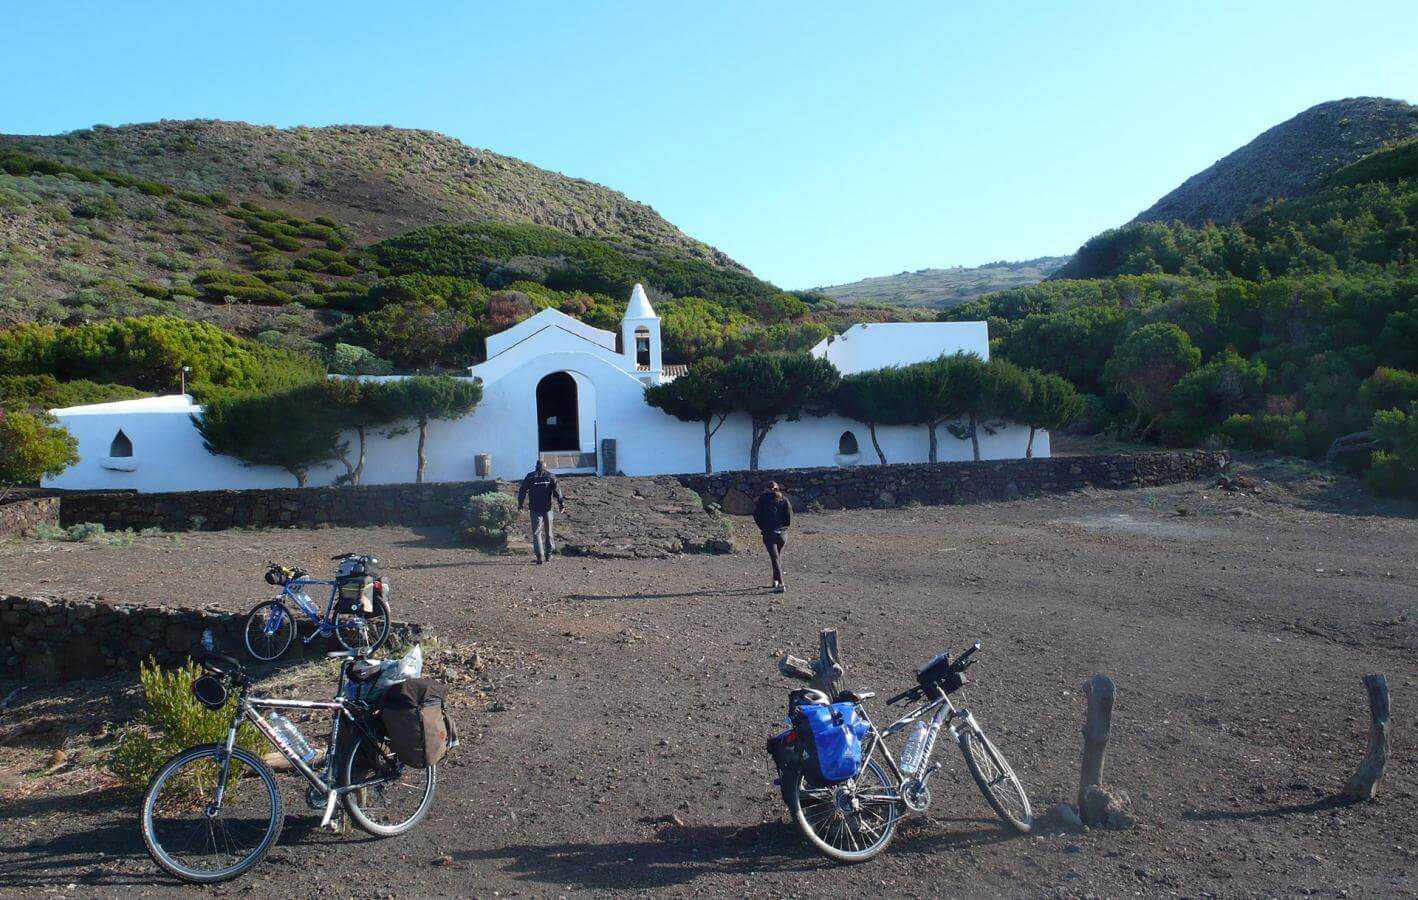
(1287, 161)
(944, 288)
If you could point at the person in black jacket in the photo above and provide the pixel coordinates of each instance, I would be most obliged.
(540, 488)
(772, 513)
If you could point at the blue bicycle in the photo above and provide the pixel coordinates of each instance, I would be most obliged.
(357, 614)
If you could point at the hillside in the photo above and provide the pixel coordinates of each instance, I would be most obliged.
(1287, 161)
(1282, 331)
(108, 222)
(944, 288)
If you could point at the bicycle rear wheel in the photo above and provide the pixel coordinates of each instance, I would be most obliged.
(399, 797)
(996, 780)
(269, 630)
(850, 822)
(188, 836)
(364, 632)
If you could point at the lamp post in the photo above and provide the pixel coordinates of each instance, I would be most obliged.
(185, 370)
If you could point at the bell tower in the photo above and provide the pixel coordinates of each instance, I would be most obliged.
(640, 336)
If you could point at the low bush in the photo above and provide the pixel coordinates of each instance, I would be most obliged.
(486, 518)
(172, 721)
(287, 243)
(148, 289)
(1389, 477)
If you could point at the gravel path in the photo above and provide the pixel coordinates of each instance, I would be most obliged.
(643, 689)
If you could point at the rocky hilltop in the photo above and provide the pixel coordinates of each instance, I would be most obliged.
(1290, 160)
(944, 288)
(379, 180)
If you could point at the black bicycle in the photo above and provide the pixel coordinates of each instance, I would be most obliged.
(214, 811)
(854, 820)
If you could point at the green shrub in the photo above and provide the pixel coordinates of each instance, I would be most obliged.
(91, 533)
(1389, 477)
(265, 295)
(148, 289)
(320, 232)
(486, 518)
(98, 208)
(308, 264)
(347, 359)
(1282, 433)
(287, 243)
(173, 721)
(341, 268)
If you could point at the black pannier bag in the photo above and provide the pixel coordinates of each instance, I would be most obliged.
(355, 594)
(417, 723)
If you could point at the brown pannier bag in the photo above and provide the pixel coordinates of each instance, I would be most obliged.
(417, 724)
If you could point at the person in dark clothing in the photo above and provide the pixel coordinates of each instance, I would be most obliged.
(772, 513)
(540, 488)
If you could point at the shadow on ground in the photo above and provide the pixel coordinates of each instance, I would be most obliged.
(680, 856)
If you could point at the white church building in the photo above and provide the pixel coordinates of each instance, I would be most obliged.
(557, 389)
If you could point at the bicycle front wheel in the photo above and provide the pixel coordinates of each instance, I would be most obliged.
(189, 835)
(269, 630)
(363, 632)
(850, 822)
(396, 798)
(996, 780)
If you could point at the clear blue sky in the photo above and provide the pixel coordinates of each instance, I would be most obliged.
(816, 142)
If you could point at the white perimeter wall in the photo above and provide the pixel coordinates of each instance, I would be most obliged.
(169, 456)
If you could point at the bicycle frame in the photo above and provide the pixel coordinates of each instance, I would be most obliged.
(943, 714)
(324, 624)
(248, 709)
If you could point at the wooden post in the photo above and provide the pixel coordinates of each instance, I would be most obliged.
(1364, 783)
(1099, 692)
(827, 668)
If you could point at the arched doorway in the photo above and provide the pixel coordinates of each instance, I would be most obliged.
(558, 423)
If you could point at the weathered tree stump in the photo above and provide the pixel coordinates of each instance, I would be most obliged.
(1099, 692)
(827, 668)
(1364, 783)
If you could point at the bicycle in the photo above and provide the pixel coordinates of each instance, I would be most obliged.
(271, 626)
(854, 820)
(214, 811)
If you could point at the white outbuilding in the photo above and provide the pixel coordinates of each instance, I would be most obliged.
(556, 389)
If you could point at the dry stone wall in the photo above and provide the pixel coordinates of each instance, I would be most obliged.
(47, 639)
(44, 639)
(379, 504)
(937, 484)
(19, 517)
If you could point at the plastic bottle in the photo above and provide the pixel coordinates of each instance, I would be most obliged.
(294, 740)
(915, 750)
(306, 603)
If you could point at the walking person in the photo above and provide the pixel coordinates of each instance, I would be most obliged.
(539, 488)
(773, 514)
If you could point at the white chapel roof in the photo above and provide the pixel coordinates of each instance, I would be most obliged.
(639, 306)
(166, 403)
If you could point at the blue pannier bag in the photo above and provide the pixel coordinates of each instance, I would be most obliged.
(832, 741)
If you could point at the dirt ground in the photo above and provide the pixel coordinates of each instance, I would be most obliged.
(619, 747)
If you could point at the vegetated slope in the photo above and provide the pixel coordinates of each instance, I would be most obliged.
(379, 181)
(112, 222)
(1290, 160)
(1363, 220)
(1305, 319)
(944, 288)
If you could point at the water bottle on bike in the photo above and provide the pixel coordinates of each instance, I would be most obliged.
(294, 740)
(915, 751)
